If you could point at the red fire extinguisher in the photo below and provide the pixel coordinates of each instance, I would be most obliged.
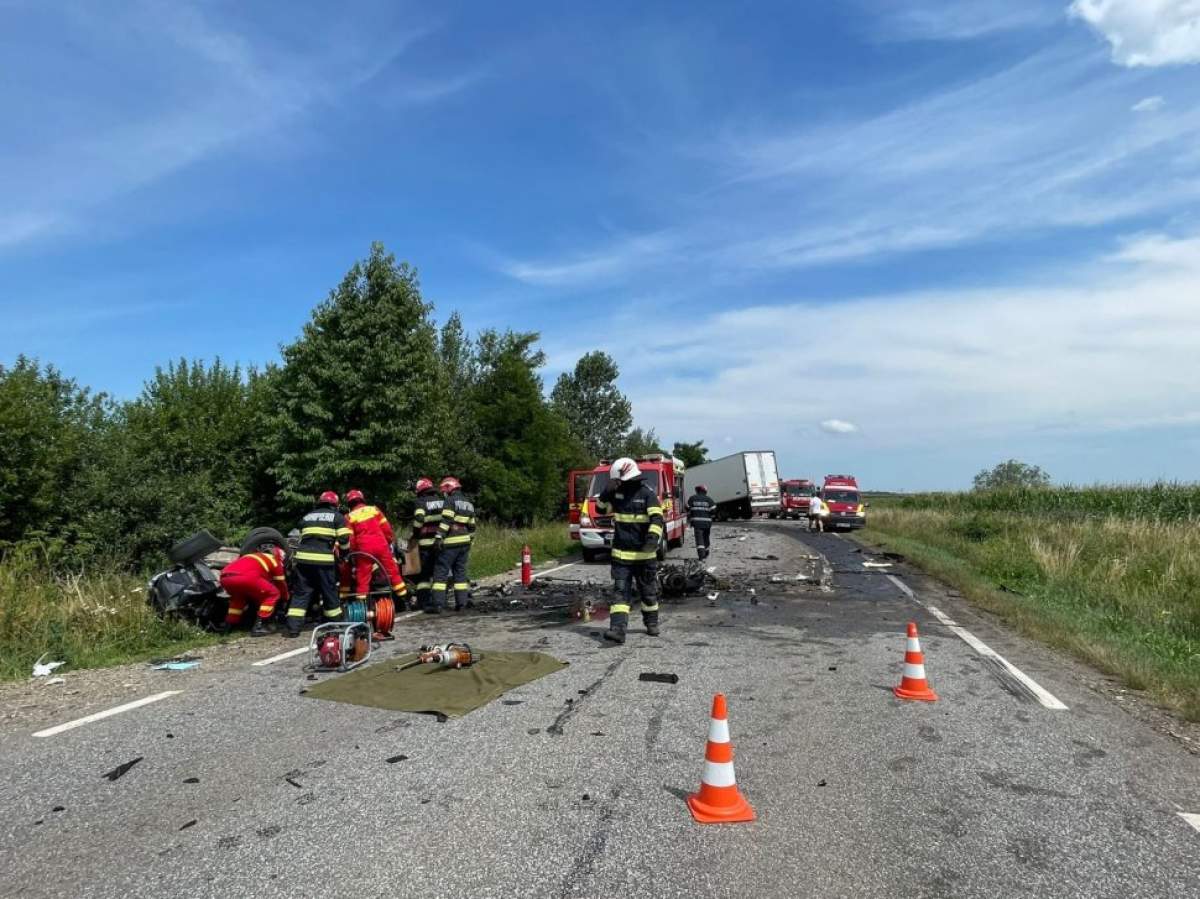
(526, 566)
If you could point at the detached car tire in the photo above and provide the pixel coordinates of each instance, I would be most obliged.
(258, 537)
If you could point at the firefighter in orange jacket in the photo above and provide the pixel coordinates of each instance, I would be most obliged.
(256, 578)
(371, 540)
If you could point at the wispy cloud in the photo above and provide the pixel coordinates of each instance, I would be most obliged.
(1145, 32)
(1148, 104)
(957, 20)
(607, 264)
(839, 426)
(207, 86)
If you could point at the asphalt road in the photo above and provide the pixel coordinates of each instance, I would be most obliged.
(247, 788)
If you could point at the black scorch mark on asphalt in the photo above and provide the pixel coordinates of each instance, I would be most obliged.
(573, 705)
(121, 770)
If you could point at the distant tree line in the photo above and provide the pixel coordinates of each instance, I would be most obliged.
(373, 394)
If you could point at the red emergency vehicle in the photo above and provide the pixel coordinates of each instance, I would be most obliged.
(662, 472)
(846, 508)
(795, 496)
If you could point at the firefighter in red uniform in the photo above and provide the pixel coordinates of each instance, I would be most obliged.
(256, 578)
(371, 541)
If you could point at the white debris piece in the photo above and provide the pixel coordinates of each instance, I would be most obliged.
(40, 670)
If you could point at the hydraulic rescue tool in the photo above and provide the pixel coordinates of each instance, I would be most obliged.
(447, 655)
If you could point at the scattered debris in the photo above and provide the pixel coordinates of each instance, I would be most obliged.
(766, 558)
(294, 783)
(397, 758)
(59, 808)
(191, 823)
(877, 564)
(587, 797)
(599, 733)
(176, 666)
(54, 682)
(122, 769)
(170, 736)
(654, 677)
(45, 670)
(820, 783)
(833, 667)
(511, 701)
(191, 780)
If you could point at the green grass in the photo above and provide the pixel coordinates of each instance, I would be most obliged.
(498, 549)
(1121, 592)
(96, 619)
(87, 621)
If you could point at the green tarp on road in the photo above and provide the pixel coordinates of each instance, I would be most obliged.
(428, 688)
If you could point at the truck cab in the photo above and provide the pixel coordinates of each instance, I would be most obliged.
(795, 496)
(662, 472)
(841, 496)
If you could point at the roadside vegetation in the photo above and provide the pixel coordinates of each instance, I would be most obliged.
(1111, 574)
(97, 618)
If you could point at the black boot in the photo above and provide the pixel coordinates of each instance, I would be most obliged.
(650, 619)
(617, 624)
(261, 628)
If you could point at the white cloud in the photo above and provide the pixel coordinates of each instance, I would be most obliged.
(607, 264)
(1148, 104)
(838, 426)
(1109, 348)
(1145, 32)
(956, 19)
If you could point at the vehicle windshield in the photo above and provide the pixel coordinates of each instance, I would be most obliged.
(841, 496)
(600, 481)
(797, 490)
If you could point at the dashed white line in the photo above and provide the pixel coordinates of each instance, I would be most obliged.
(1043, 696)
(1191, 819)
(538, 574)
(107, 713)
(283, 655)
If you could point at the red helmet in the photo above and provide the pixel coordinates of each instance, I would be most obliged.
(355, 496)
(449, 485)
(702, 488)
(328, 498)
(423, 484)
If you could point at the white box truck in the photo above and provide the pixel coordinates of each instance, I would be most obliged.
(742, 485)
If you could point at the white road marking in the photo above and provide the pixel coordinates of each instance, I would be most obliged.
(1044, 696)
(283, 655)
(538, 574)
(1191, 819)
(107, 713)
(408, 615)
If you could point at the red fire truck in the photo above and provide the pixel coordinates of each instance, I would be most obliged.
(795, 497)
(846, 508)
(663, 473)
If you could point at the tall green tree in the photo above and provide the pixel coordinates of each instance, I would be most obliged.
(458, 372)
(355, 390)
(48, 428)
(595, 410)
(525, 448)
(1012, 473)
(639, 442)
(691, 454)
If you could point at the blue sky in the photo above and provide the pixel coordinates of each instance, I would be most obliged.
(903, 238)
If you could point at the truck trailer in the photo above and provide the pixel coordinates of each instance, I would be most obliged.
(742, 485)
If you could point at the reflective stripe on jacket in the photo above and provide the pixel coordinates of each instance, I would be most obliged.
(369, 526)
(700, 508)
(427, 517)
(321, 530)
(259, 566)
(637, 522)
(457, 527)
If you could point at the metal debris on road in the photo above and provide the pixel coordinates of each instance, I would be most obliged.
(176, 666)
(397, 758)
(121, 770)
(45, 670)
(656, 678)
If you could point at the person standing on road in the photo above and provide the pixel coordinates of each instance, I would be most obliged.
(323, 531)
(426, 518)
(453, 543)
(700, 509)
(816, 513)
(371, 540)
(257, 578)
(637, 532)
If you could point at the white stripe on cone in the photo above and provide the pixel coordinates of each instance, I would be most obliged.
(915, 672)
(914, 644)
(718, 730)
(719, 774)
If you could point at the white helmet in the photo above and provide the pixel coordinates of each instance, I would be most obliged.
(624, 469)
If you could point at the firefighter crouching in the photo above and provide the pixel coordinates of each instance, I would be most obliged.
(371, 541)
(426, 518)
(322, 531)
(455, 532)
(255, 579)
(700, 508)
(637, 531)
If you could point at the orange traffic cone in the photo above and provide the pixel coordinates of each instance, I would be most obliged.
(913, 685)
(719, 801)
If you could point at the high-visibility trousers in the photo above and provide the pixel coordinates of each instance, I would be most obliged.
(367, 554)
(248, 590)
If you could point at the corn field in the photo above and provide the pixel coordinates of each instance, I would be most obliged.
(1151, 502)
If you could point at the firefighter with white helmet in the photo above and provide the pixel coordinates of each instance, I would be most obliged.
(637, 532)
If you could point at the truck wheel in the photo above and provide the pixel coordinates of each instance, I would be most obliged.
(590, 555)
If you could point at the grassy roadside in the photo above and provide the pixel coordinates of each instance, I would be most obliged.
(98, 619)
(1122, 594)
